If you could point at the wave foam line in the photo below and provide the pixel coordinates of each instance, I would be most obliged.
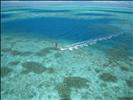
(87, 42)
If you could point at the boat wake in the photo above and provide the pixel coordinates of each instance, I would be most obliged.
(87, 42)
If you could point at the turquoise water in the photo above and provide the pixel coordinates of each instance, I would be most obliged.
(93, 59)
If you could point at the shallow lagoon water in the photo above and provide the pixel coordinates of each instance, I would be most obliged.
(32, 68)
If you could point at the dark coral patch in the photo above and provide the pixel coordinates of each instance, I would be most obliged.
(124, 68)
(126, 98)
(15, 53)
(107, 77)
(130, 82)
(76, 82)
(6, 49)
(5, 71)
(45, 51)
(57, 55)
(50, 70)
(14, 63)
(64, 88)
(63, 91)
(27, 53)
(33, 67)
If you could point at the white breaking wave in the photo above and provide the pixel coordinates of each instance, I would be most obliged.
(87, 42)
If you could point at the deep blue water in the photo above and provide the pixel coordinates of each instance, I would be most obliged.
(5, 15)
(113, 11)
(62, 28)
(94, 14)
(36, 10)
(48, 11)
(12, 10)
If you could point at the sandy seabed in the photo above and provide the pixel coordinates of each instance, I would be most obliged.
(33, 69)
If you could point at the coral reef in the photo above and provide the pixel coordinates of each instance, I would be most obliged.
(64, 91)
(124, 68)
(129, 82)
(57, 55)
(121, 52)
(125, 98)
(46, 51)
(5, 71)
(76, 82)
(64, 88)
(27, 53)
(50, 70)
(35, 67)
(15, 52)
(107, 77)
(6, 49)
(13, 63)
